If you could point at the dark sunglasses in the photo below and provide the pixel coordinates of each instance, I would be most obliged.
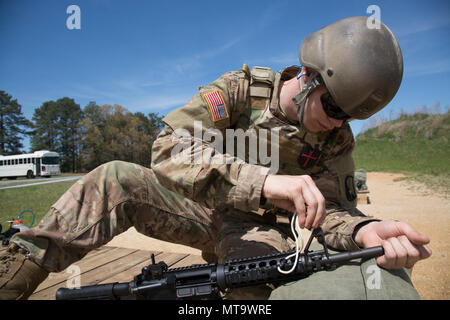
(331, 108)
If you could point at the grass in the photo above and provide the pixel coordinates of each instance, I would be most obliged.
(415, 156)
(38, 199)
(415, 145)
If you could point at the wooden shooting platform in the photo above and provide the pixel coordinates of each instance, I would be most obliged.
(363, 197)
(110, 264)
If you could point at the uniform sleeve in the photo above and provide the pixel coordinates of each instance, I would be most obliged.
(337, 186)
(188, 156)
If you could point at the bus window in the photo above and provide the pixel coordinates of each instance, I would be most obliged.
(16, 161)
(50, 160)
(20, 161)
(34, 160)
(1, 162)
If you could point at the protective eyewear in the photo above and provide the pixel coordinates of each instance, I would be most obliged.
(331, 108)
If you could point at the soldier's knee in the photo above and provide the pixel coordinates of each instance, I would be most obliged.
(105, 174)
(119, 171)
(117, 179)
(115, 166)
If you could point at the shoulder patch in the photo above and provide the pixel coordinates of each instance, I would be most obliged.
(216, 105)
(308, 157)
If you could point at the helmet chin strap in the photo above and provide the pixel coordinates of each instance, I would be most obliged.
(300, 98)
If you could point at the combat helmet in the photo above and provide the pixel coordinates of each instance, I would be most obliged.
(360, 63)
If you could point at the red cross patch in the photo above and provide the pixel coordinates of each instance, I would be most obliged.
(308, 157)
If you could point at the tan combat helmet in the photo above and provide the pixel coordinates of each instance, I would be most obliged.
(361, 64)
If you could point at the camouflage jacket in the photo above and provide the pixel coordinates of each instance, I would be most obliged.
(199, 154)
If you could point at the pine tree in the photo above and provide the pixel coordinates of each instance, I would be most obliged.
(70, 115)
(56, 128)
(13, 125)
(45, 131)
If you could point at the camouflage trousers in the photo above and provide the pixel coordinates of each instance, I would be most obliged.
(118, 195)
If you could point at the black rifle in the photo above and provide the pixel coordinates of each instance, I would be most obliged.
(6, 236)
(207, 281)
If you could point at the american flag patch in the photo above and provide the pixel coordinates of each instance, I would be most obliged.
(216, 105)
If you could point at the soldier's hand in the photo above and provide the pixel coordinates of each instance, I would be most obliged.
(299, 194)
(403, 245)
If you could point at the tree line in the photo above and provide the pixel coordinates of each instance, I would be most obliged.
(84, 137)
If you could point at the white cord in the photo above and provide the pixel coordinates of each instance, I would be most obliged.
(297, 249)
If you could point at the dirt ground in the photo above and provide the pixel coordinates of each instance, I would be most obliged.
(390, 199)
(428, 213)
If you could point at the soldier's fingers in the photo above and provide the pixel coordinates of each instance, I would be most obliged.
(319, 203)
(313, 188)
(412, 251)
(318, 220)
(413, 235)
(400, 251)
(301, 218)
(300, 208)
(425, 252)
(321, 213)
(387, 260)
(312, 205)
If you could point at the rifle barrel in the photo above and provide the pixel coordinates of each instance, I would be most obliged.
(363, 253)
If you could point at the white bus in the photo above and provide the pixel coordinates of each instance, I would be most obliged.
(42, 163)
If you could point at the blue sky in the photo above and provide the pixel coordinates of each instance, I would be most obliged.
(151, 56)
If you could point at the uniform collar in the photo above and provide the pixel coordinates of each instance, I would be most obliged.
(284, 75)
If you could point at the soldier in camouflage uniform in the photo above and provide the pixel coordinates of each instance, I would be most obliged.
(226, 206)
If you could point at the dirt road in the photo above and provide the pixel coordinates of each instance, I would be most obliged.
(390, 199)
(429, 214)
